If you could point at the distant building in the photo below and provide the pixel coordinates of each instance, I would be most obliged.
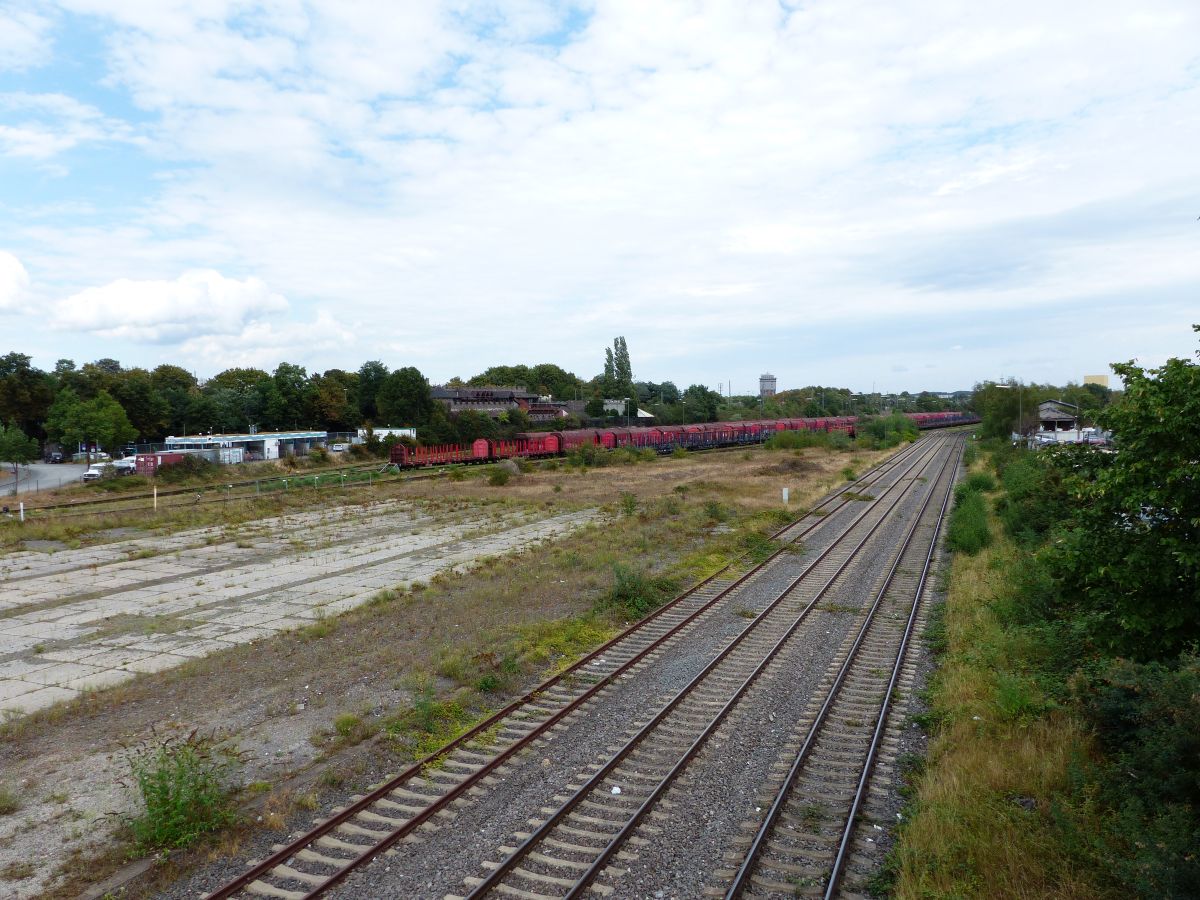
(1101, 380)
(1058, 415)
(766, 385)
(387, 431)
(257, 446)
(491, 400)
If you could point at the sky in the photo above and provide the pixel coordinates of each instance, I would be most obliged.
(877, 194)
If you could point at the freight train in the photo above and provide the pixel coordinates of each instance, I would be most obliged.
(661, 439)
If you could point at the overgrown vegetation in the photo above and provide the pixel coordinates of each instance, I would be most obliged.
(968, 531)
(881, 432)
(186, 786)
(635, 593)
(1066, 755)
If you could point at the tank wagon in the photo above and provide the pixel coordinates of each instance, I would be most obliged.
(661, 439)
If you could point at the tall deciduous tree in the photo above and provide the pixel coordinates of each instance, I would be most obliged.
(405, 398)
(25, 392)
(371, 376)
(98, 422)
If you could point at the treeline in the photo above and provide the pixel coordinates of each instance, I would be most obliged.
(171, 400)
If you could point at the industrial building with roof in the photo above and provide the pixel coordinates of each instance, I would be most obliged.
(255, 446)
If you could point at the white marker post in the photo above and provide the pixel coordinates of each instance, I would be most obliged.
(156, 498)
(22, 507)
(785, 496)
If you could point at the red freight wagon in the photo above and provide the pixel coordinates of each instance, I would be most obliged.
(577, 437)
(440, 455)
(150, 463)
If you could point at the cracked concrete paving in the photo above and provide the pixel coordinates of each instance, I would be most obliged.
(85, 619)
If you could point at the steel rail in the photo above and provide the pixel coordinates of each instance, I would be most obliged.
(742, 877)
(283, 854)
(877, 737)
(512, 859)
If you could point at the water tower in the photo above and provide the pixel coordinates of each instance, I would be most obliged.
(766, 385)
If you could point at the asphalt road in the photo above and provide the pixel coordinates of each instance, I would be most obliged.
(40, 477)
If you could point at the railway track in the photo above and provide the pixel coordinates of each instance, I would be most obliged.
(576, 843)
(421, 797)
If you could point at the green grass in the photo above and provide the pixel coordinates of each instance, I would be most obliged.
(969, 531)
(9, 801)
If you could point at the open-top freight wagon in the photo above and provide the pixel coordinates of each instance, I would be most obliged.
(661, 438)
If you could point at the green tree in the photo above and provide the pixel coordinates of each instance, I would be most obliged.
(701, 404)
(293, 407)
(16, 448)
(371, 376)
(98, 422)
(1128, 557)
(622, 368)
(176, 386)
(335, 400)
(147, 409)
(405, 398)
(25, 392)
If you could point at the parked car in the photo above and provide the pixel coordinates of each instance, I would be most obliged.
(125, 466)
(95, 473)
(54, 457)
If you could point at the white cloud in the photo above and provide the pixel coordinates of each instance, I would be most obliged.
(51, 124)
(14, 281)
(24, 36)
(201, 302)
(265, 345)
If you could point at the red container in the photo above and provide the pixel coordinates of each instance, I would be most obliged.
(150, 463)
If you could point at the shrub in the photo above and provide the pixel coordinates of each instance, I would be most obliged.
(9, 801)
(189, 468)
(629, 503)
(498, 478)
(968, 532)
(849, 474)
(1145, 791)
(186, 786)
(634, 594)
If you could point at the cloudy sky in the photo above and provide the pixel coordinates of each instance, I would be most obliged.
(907, 195)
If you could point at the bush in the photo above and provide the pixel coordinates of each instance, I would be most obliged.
(968, 532)
(191, 467)
(634, 594)
(629, 503)
(1034, 497)
(186, 786)
(1145, 792)
(498, 478)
